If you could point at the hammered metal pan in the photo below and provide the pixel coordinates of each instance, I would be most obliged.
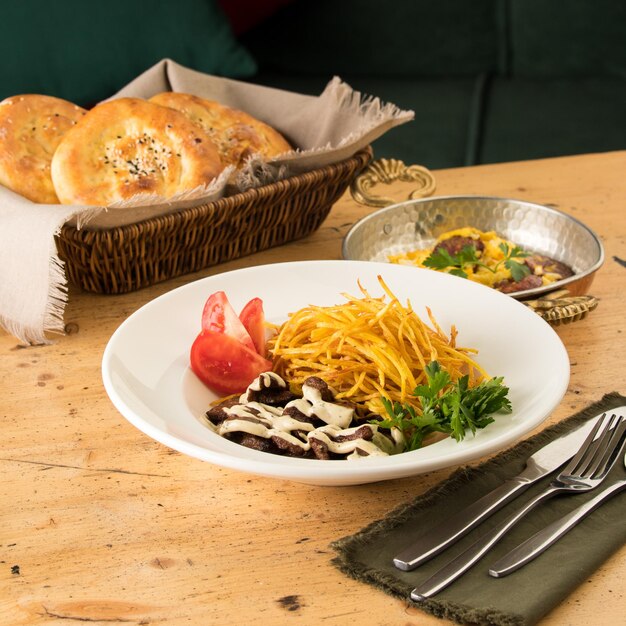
(537, 228)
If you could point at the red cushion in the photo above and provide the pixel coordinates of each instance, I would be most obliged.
(244, 15)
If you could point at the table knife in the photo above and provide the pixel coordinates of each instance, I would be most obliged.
(540, 464)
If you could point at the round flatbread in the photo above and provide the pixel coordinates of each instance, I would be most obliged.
(31, 127)
(236, 134)
(126, 148)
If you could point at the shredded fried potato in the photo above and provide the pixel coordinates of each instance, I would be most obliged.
(368, 347)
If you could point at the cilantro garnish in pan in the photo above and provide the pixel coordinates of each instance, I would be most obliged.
(447, 407)
(441, 259)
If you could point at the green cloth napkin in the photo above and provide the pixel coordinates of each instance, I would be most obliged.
(524, 596)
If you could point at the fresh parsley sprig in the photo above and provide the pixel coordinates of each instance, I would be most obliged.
(518, 270)
(441, 259)
(447, 407)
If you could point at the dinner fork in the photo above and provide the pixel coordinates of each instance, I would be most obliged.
(586, 470)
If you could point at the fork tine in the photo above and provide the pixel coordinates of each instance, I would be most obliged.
(593, 453)
(610, 453)
(589, 441)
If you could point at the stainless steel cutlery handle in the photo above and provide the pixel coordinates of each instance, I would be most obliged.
(458, 566)
(440, 537)
(542, 540)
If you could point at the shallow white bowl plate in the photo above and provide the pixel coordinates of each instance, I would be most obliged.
(147, 376)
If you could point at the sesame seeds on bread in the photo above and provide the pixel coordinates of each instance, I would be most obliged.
(31, 127)
(128, 147)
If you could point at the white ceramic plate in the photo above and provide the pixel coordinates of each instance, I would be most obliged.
(147, 376)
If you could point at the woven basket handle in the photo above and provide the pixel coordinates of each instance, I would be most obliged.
(387, 171)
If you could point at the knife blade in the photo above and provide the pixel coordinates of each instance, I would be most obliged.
(543, 462)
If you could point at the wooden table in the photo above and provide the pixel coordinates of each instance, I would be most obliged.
(101, 524)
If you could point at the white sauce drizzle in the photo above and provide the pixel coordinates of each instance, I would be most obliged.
(264, 381)
(266, 421)
(311, 404)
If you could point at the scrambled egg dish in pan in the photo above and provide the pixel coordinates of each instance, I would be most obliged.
(486, 258)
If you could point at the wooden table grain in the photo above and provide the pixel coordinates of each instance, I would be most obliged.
(101, 524)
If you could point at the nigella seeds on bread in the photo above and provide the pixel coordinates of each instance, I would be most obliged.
(128, 148)
(31, 127)
(236, 134)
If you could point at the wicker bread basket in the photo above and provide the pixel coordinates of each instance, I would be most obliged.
(127, 258)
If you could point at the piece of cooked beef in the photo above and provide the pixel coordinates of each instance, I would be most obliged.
(296, 414)
(216, 415)
(272, 392)
(455, 244)
(271, 397)
(510, 286)
(254, 442)
(548, 264)
(321, 386)
(292, 449)
(362, 432)
(319, 448)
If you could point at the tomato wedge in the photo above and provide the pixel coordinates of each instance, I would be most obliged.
(219, 316)
(224, 364)
(253, 319)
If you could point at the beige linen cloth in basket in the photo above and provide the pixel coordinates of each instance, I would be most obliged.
(326, 129)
